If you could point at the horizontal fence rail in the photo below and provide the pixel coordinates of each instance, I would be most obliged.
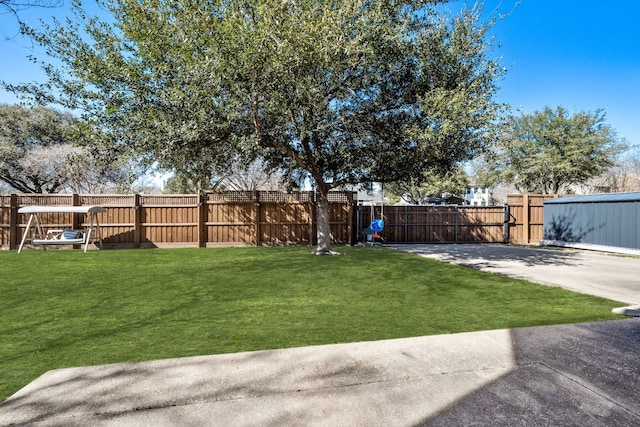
(272, 218)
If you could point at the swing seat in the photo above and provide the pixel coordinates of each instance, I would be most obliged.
(377, 225)
(61, 237)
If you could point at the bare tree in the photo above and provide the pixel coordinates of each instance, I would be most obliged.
(624, 176)
(254, 176)
(38, 155)
(15, 6)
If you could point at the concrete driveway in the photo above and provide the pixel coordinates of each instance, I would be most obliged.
(609, 276)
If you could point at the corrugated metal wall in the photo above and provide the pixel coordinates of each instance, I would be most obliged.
(601, 220)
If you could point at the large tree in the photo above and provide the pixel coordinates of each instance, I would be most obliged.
(344, 92)
(551, 150)
(44, 151)
(31, 142)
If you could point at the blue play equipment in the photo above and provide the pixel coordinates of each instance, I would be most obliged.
(372, 233)
(377, 225)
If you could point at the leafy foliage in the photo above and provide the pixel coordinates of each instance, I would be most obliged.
(451, 183)
(550, 150)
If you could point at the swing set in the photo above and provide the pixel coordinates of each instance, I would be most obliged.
(61, 237)
(372, 233)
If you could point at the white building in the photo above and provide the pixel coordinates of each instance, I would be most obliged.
(477, 196)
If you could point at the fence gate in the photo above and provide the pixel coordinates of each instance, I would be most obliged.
(432, 224)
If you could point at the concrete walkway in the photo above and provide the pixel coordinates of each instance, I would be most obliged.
(583, 375)
(609, 276)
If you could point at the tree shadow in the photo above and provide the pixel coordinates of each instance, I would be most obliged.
(584, 374)
(491, 255)
(565, 228)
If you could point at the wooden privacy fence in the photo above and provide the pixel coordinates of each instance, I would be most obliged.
(273, 218)
(208, 219)
(438, 224)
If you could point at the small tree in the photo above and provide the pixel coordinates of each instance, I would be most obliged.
(341, 92)
(550, 150)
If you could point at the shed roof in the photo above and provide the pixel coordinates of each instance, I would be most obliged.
(596, 198)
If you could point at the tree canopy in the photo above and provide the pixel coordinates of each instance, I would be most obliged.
(29, 142)
(42, 151)
(550, 150)
(448, 185)
(342, 92)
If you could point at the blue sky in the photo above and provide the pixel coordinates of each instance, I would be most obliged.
(580, 54)
(583, 55)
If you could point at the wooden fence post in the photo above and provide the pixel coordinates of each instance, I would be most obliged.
(202, 220)
(505, 227)
(350, 218)
(76, 222)
(137, 223)
(525, 219)
(13, 222)
(257, 217)
(312, 212)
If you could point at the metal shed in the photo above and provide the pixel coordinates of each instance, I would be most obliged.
(601, 221)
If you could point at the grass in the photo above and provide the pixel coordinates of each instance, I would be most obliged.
(66, 308)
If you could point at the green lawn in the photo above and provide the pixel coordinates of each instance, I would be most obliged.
(63, 308)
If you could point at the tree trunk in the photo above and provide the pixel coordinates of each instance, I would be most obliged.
(323, 233)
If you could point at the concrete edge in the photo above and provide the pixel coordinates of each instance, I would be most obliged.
(591, 247)
(632, 310)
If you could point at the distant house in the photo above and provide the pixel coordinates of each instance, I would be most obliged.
(369, 193)
(477, 196)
